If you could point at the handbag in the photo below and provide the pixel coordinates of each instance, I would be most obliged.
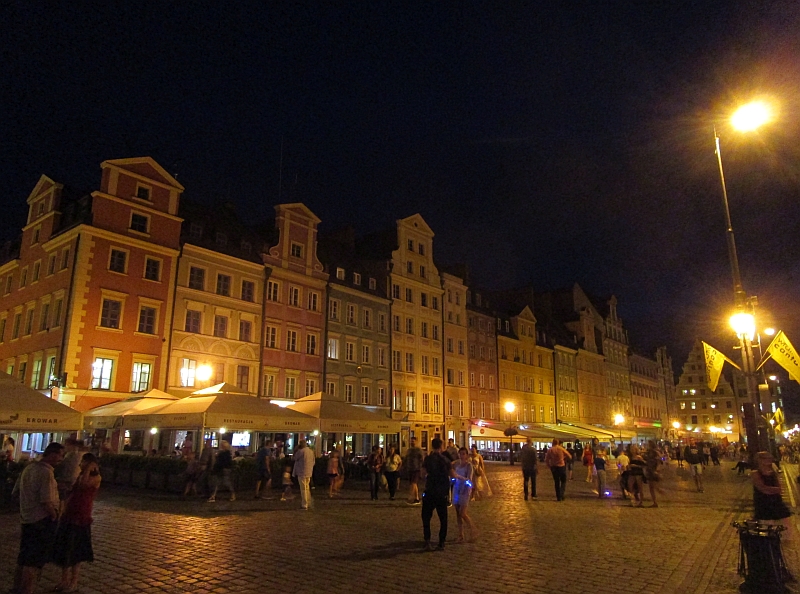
(384, 483)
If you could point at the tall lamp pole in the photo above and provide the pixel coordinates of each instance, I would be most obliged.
(746, 118)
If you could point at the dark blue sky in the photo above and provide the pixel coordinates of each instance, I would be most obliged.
(544, 142)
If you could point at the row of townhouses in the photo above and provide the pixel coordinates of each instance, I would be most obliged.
(128, 288)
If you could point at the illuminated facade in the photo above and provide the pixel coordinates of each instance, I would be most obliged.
(457, 381)
(294, 308)
(698, 409)
(219, 299)
(88, 295)
(484, 400)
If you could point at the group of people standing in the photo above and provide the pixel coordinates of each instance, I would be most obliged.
(56, 497)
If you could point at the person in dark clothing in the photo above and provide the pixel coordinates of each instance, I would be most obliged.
(530, 468)
(767, 499)
(693, 454)
(438, 470)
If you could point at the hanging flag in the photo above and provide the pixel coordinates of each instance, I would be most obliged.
(714, 362)
(785, 355)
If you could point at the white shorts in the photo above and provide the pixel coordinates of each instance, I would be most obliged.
(696, 469)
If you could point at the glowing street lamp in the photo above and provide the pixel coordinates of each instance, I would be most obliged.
(619, 420)
(203, 373)
(747, 118)
(510, 431)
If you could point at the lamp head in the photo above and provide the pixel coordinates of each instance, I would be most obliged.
(676, 425)
(751, 116)
(203, 373)
(619, 419)
(744, 324)
(509, 407)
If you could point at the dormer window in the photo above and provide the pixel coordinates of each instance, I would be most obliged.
(139, 223)
(221, 238)
(41, 209)
(246, 247)
(143, 192)
(372, 284)
(195, 230)
(297, 250)
(340, 273)
(356, 278)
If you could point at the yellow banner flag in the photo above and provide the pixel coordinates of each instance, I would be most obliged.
(714, 362)
(785, 355)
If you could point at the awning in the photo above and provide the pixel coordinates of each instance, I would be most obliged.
(603, 432)
(495, 430)
(110, 416)
(24, 409)
(236, 412)
(335, 416)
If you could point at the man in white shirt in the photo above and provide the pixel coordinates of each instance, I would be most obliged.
(304, 469)
(622, 467)
(38, 510)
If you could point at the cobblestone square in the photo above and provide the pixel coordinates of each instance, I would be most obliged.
(151, 542)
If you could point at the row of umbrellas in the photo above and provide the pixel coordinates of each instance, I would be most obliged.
(223, 405)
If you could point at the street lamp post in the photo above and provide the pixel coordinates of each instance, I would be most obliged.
(619, 420)
(510, 432)
(748, 117)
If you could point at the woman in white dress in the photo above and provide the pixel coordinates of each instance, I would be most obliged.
(481, 488)
(461, 494)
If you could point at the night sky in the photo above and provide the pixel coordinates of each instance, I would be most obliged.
(544, 142)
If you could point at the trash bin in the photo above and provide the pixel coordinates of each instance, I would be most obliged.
(760, 557)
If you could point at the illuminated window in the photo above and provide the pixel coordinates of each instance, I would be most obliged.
(140, 381)
(101, 373)
(188, 371)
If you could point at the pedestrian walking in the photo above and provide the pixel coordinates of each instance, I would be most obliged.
(73, 544)
(192, 474)
(693, 454)
(652, 471)
(706, 454)
(462, 493)
(303, 469)
(622, 468)
(715, 455)
(334, 470)
(391, 470)
(207, 459)
(437, 470)
(636, 476)
(413, 464)
(529, 460)
(286, 479)
(264, 468)
(222, 471)
(9, 446)
(600, 470)
(767, 500)
(679, 456)
(451, 451)
(570, 461)
(555, 459)
(375, 466)
(481, 488)
(588, 462)
(38, 511)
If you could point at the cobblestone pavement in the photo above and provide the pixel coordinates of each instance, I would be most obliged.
(146, 542)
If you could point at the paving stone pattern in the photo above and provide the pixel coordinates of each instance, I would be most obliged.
(150, 542)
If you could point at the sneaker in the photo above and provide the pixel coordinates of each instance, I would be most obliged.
(233, 497)
(526, 497)
(440, 546)
(418, 502)
(391, 498)
(212, 499)
(535, 498)
(449, 504)
(428, 546)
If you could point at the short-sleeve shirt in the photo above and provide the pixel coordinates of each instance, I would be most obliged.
(263, 456)
(37, 487)
(438, 468)
(414, 457)
(600, 463)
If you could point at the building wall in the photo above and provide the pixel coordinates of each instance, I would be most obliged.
(566, 372)
(358, 323)
(295, 305)
(595, 407)
(232, 357)
(456, 360)
(482, 352)
(697, 408)
(647, 405)
(522, 375)
(417, 392)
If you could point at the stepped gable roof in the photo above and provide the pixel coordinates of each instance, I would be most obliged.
(237, 239)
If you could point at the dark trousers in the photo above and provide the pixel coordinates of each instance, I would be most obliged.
(374, 483)
(560, 479)
(529, 475)
(430, 503)
(391, 480)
